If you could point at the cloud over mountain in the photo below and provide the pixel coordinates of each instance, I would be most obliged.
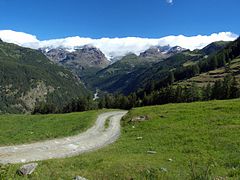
(113, 47)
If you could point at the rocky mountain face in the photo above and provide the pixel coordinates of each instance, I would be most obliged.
(175, 50)
(55, 55)
(83, 61)
(82, 57)
(161, 52)
(89, 56)
(154, 52)
(86, 57)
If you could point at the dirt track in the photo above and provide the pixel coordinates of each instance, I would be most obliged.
(94, 138)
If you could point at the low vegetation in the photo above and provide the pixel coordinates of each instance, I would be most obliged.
(18, 129)
(211, 77)
(190, 141)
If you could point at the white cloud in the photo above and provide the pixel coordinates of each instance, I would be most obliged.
(19, 38)
(113, 47)
(169, 1)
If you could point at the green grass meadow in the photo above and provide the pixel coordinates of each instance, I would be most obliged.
(192, 141)
(19, 129)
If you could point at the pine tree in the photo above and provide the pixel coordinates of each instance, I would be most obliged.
(133, 99)
(179, 94)
(171, 77)
(213, 63)
(207, 91)
(226, 87)
(102, 103)
(235, 89)
(195, 69)
(193, 93)
(217, 90)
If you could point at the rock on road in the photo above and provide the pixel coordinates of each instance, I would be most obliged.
(94, 138)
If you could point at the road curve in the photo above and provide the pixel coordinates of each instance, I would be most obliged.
(94, 138)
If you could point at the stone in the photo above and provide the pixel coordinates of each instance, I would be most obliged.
(79, 178)
(151, 152)
(171, 160)
(27, 169)
(163, 169)
(140, 118)
(139, 138)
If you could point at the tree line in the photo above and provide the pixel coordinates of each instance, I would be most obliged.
(221, 89)
(228, 88)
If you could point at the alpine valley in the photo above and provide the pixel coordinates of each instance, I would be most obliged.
(33, 78)
(119, 90)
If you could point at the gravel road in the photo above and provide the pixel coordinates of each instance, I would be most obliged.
(94, 138)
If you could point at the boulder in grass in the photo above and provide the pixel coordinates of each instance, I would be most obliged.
(163, 169)
(140, 118)
(27, 169)
(151, 152)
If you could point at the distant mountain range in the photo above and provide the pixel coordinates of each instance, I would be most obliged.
(56, 76)
(125, 74)
(90, 56)
(133, 72)
(87, 60)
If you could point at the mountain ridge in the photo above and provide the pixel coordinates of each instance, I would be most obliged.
(29, 78)
(134, 72)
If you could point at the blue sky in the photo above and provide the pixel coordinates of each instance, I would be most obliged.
(48, 19)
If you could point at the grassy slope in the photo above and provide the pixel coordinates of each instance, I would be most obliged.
(18, 129)
(199, 137)
(214, 75)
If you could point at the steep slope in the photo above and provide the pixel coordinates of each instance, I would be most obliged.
(185, 65)
(232, 68)
(214, 47)
(133, 72)
(160, 52)
(83, 61)
(27, 78)
(117, 76)
(160, 71)
(153, 67)
(202, 71)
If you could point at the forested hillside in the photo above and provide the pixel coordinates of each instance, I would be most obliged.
(28, 78)
(201, 78)
(132, 72)
(185, 68)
